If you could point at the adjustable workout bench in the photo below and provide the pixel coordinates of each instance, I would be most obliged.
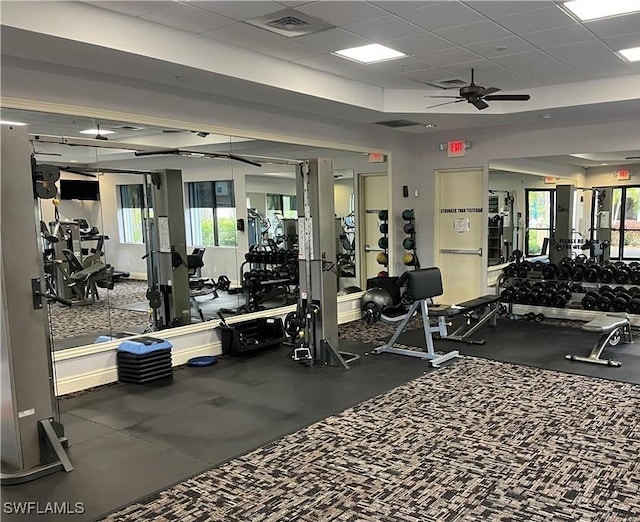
(612, 329)
(425, 284)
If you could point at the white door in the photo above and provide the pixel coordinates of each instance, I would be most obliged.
(373, 197)
(460, 233)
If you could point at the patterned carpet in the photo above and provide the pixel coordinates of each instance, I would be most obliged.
(476, 441)
(101, 316)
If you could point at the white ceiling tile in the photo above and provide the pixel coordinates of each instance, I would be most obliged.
(588, 56)
(598, 74)
(615, 26)
(399, 66)
(393, 81)
(265, 42)
(496, 9)
(420, 43)
(448, 56)
(503, 79)
(623, 41)
(513, 45)
(133, 8)
(474, 33)
(294, 3)
(568, 35)
(333, 40)
(384, 29)
(537, 20)
(400, 6)
(441, 16)
(331, 63)
(343, 13)
(479, 66)
(188, 18)
(430, 75)
(240, 10)
(539, 67)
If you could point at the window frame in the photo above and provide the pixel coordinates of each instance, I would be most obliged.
(552, 218)
(125, 224)
(194, 220)
(623, 219)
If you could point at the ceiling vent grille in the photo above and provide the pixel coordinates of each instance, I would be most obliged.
(129, 127)
(290, 23)
(396, 124)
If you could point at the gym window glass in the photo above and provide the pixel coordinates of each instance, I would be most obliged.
(540, 217)
(212, 213)
(279, 207)
(626, 202)
(131, 202)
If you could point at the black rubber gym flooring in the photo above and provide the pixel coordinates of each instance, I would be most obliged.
(129, 441)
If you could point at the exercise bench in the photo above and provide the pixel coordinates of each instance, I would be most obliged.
(612, 329)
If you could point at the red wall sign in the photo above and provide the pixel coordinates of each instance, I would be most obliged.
(456, 149)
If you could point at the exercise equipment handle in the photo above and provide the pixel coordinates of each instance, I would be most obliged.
(54, 297)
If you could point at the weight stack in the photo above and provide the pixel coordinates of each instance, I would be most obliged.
(144, 360)
(410, 258)
(383, 243)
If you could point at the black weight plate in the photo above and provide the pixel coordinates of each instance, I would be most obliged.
(577, 273)
(606, 275)
(605, 288)
(634, 290)
(591, 274)
(558, 301)
(563, 272)
(590, 300)
(530, 299)
(506, 296)
(544, 299)
(633, 306)
(619, 290)
(621, 276)
(635, 277)
(603, 303)
(549, 271)
(619, 304)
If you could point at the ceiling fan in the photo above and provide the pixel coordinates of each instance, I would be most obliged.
(478, 96)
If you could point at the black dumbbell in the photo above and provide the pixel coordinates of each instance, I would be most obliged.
(620, 302)
(590, 301)
(577, 288)
(509, 270)
(549, 271)
(633, 291)
(539, 318)
(531, 298)
(605, 301)
(563, 272)
(577, 273)
(523, 269)
(519, 295)
(634, 277)
(544, 299)
(506, 296)
(621, 274)
(606, 274)
(605, 288)
(633, 306)
(591, 273)
(560, 298)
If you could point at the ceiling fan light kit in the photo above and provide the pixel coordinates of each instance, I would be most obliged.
(478, 96)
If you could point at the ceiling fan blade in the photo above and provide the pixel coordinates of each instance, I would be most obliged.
(488, 90)
(479, 104)
(445, 103)
(452, 97)
(508, 97)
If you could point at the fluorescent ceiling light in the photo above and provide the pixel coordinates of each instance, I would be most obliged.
(16, 123)
(632, 54)
(102, 132)
(370, 53)
(587, 10)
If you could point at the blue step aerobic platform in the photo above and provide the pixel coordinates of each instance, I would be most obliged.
(144, 359)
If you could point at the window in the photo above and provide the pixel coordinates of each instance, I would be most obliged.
(540, 219)
(130, 213)
(279, 207)
(212, 213)
(625, 202)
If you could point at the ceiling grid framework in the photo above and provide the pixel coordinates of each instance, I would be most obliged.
(518, 45)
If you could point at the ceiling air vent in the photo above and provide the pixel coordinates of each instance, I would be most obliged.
(396, 124)
(129, 127)
(290, 23)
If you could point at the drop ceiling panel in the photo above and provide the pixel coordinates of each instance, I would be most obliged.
(187, 18)
(407, 64)
(401, 6)
(513, 45)
(449, 56)
(431, 75)
(244, 10)
(589, 56)
(420, 43)
(539, 67)
(131, 8)
(615, 26)
(571, 34)
(250, 37)
(496, 9)
(384, 29)
(504, 79)
(623, 41)
(333, 40)
(343, 13)
(537, 20)
(331, 63)
(442, 16)
(474, 33)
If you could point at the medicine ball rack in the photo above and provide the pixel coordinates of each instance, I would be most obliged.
(559, 291)
(383, 242)
(410, 258)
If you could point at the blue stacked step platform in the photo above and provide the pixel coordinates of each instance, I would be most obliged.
(144, 359)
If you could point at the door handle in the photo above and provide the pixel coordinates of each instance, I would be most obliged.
(477, 252)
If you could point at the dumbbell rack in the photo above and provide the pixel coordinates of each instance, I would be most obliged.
(572, 310)
(411, 224)
(383, 242)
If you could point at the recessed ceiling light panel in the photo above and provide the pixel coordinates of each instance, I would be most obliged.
(102, 132)
(15, 123)
(372, 53)
(587, 10)
(632, 54)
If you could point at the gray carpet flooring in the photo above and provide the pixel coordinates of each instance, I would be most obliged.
(476, 440)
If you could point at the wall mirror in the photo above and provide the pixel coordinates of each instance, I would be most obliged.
(240, 221)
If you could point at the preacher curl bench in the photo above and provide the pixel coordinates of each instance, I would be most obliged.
(424, 284)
